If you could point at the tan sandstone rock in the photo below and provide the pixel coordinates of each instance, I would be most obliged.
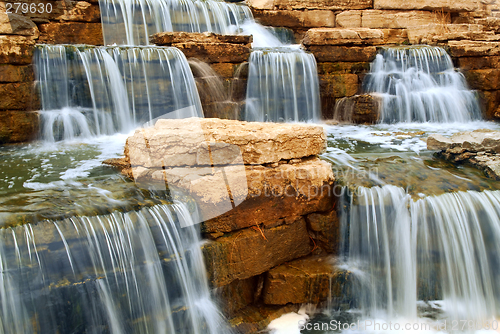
(184, 142)
(343, 36)
(474, 48)
(483, 79)
(310, 4)
(439, 5)
(397, 19)
(472, 141)
(16, 50)
(430, 33)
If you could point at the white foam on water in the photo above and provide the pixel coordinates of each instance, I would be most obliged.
(401, 136)
(288, 323)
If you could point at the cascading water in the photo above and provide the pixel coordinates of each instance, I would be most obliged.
(131, 22)
(103, 90)
(436, 247)
(136, 272)
(419, 84)
(282, 86)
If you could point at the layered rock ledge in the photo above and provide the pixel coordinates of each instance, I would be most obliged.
(480, 148)
(264, 197)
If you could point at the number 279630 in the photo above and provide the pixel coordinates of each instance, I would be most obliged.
(25, 8)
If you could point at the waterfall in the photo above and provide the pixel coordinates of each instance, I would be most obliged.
(282, 86)
(438, 247)
(103, 90)
(419, 84)
(135, 272)
(131, 22)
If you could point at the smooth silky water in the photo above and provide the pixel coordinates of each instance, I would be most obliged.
(419, 236)
(83, 250)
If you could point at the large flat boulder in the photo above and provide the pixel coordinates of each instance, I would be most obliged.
(186, 142)
(240, 173)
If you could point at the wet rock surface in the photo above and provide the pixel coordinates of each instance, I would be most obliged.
(480, 148)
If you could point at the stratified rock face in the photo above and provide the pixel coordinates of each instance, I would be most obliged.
(185, 142)
(70, 33)
(343, 36)
(301, 281)
(480, 148)
(310, 4)
(248, 252)
(220, 164)
(443, 5)
(207, 47)
(16, 50)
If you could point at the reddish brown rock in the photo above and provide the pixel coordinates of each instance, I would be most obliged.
(237, 295)
(296, 19)
(306, 280)
(71, 33)
(16, 50)
(276, 193)
(16, 73)
(324, 228)
(343, 67)
(358, 109)
(215, 52)
(18, 126)
(486, 79)
(332, 53)
(250, 252)
(169, 38)
(343, 36)
(339, 85)
(16, 96)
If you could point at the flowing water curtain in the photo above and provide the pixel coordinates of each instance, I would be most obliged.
(420, 84)
(401, 250)
(282, 86)
(89, 91)
(131, 22)
(137, 272)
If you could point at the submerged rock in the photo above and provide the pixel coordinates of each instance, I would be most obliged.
(480, 148)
